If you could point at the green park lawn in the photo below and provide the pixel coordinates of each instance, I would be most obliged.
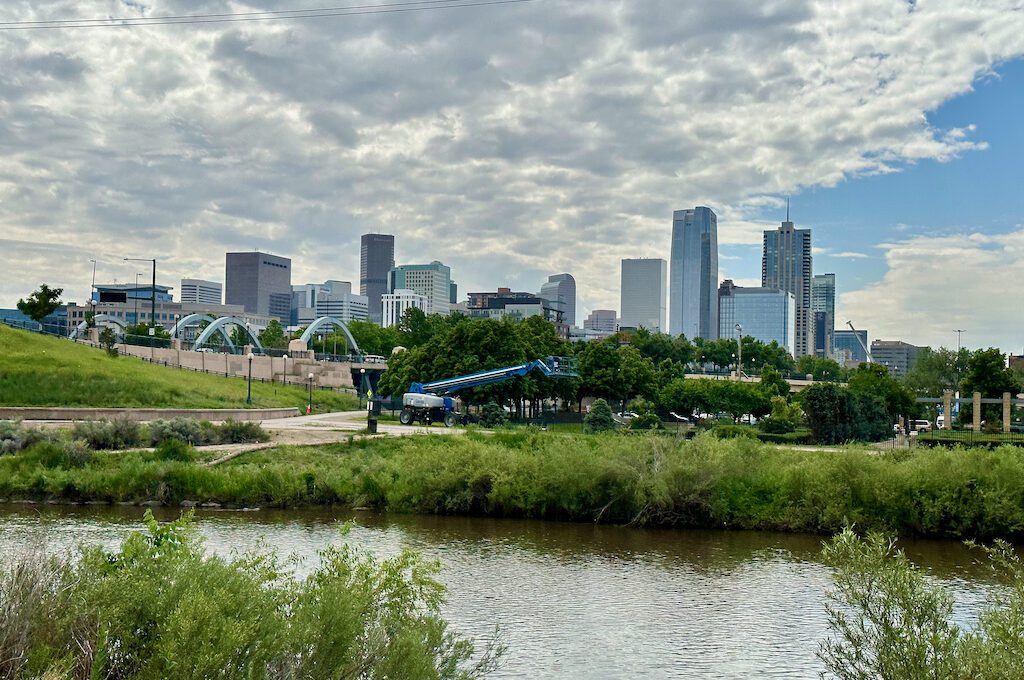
(37, 370)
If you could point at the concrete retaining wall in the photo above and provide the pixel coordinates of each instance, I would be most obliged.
(143, 414)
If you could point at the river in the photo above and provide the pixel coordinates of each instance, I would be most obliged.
(571, 600)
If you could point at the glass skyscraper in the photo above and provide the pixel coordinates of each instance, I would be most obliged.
(642, 291)
(376, 259)
(823, 302)
(786, 265)
(693, 298)
(765, 314)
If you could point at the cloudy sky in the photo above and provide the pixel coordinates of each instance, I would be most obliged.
(513, 141)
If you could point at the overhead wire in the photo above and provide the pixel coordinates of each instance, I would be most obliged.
(268, 15)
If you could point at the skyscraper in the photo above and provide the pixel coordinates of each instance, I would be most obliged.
(693, 288)
(200, 292)
(376, 259)
(560, 290)
(786, 264)
(432, 281)
(642, 294)
(823, 301)
(260, 282)
(765, 314)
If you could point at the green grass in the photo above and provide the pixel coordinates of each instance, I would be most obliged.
(617, 478)
(37, 370)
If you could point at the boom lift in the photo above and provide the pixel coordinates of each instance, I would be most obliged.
(427, 402)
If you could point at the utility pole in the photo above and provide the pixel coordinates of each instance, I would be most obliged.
(152, 313)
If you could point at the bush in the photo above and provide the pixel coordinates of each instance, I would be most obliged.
(493, 415)
(161, 608)
(188, 430)
(235, 432)
(726, 431)
(119, 433)
(15, 437)
(175, 449)
(599, 417)
(784, 418)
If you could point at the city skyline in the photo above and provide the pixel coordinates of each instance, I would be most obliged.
(905, 171)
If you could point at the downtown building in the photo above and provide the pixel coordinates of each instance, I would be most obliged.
(642, 299)
(897, 356)
(433, 281)
(823, 309)
(786, 264)
(376, 260)
(394, 305)
(765, 314)
(560, 291)
(848, 347)
(504, 303)
(693, 286)
(261, 283)
(331, 298)
(200, 292)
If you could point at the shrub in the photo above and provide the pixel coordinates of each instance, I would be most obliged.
(235, 432)
(175, 449)
(599, 417)
(785, 417)
(159, 607)
(119, 433)
(15, 437)
(493, 415)
(726, 431)
(188, 430)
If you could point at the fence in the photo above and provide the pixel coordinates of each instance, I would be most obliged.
(970, 438)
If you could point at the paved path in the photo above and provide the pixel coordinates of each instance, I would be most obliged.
(333, 427)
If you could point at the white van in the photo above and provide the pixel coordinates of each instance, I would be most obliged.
(922, 426)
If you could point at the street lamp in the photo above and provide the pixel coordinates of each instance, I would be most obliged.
(362, 384)
(739, 349)
(135, 294)
(248, 399)
(284, 376)
(152, 312)
(309, 406)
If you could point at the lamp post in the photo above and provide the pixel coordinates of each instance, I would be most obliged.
(362, 385)
(248, 398)
(309, 406)
(152, 312)
(958, 332)
(135, 294)
(284, 375)
(739, 351)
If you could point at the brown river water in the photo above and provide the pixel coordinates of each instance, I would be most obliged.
(571, 600)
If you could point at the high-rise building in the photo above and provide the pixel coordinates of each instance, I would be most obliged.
(786, 265)
(642, 294)
(394, 305)
(432, 281)
(376, 259)
(260, 283)
(453, 293)
(338, 301)
(847, 349)
(765, 314)
(560, 291)
(898, 356)
(602, 321)
(200, 292)
(693, 288)
(823, 302)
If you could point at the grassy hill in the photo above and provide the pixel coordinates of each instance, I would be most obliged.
(37, 370)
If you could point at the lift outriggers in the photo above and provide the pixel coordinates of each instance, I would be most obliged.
(427, 402)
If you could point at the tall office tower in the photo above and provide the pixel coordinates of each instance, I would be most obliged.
(850, 347)
(200, 292)
(642, 294)
(765, 314)
(560, 290)
(261, 283)
(376, 259)
(432, 281)
(786, 264)
(693, 288)
(823, 301)
(338, 301)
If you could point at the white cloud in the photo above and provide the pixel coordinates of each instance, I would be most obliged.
(936, 284)
(510, 142)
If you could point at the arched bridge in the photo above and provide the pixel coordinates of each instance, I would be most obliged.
(325, 322)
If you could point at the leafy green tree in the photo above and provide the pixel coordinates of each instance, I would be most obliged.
(493, 415)
(108, 340)
(598, 366)
(273, 336)
(637, 376)
(599, 418)
(784, 417)
(654, 346)
(719, 353)
(987, 373)
(822, 368)
(41, 303)
(239, 338)
(758, 355)
(873, 379)
(936, 371)
(413, 328)
(374, 339)
(830, 412)
(738, 398)
(773, 383)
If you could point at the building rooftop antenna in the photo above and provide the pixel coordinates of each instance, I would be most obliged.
(787, 208)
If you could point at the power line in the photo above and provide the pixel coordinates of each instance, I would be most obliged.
(236, 17)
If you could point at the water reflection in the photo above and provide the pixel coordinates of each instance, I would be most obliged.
(571, 599)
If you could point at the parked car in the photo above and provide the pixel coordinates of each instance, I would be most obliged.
(923, 425)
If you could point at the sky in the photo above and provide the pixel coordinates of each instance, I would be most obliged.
(520, 140)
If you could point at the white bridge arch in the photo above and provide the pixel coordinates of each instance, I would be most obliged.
(218, 326)
(325, 321)
(99, 320)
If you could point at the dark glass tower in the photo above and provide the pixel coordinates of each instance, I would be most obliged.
(693, 287)
(376, 259)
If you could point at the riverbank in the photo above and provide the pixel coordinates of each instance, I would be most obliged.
(620, 479)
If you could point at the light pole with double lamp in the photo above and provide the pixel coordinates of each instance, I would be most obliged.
(309, 406)
(284, 376)
(248, 398)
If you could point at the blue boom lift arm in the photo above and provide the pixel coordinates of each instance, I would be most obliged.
(552, 367)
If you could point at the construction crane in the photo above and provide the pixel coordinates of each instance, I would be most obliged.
(867, 352)
(426, 402)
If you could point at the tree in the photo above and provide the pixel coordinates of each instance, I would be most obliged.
(785, 417)
(599, 418)
(719, 353)
(108, 340)
(41, 303)
(738, 398)
(598, 366)
(684, 397)
(822, 368)
(873, 379)
(987, 373)
(829, 410)
(636, 374)
(273, 336)
(935, 371)
(773, 383)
